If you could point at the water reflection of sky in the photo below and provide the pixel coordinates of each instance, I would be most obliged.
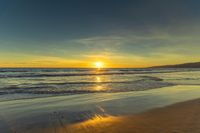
(93, 107)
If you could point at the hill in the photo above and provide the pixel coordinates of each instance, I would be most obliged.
(185, 65)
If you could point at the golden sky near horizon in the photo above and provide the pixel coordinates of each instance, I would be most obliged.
(89, 62)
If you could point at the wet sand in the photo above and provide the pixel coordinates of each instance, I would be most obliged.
(148, 111)
(178, 118)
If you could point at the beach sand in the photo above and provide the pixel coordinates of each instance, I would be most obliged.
(164, 110)
(178, 118)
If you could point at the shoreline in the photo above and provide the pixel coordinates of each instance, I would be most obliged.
(181, 117)
(45, 115)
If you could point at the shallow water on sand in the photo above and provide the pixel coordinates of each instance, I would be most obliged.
(39, 113)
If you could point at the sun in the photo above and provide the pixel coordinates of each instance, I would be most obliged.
(99, 64)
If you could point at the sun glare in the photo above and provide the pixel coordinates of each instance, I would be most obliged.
(99, 64)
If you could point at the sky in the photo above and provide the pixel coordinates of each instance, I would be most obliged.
(77, 33)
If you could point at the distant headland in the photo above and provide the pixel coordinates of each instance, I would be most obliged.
(185, 65)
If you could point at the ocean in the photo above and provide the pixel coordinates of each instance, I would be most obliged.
(20, 83)
(34, 99)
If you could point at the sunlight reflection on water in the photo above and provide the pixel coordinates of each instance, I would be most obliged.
(91, 125)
